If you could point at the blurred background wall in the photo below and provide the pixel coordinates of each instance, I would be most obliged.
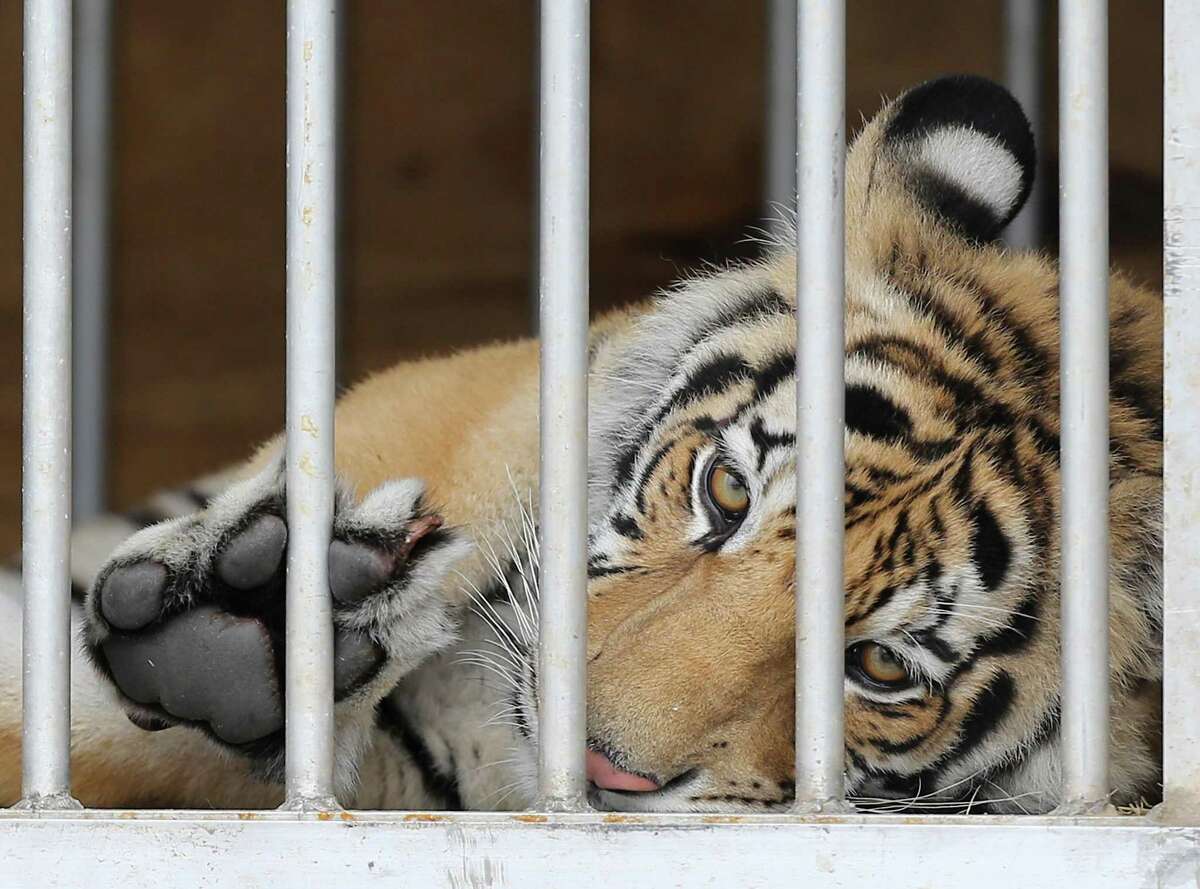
(439, 167)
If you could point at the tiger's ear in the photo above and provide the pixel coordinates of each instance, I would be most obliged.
(963, 149)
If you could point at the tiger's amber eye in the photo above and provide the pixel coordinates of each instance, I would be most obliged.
(881, 665)
(727, 490)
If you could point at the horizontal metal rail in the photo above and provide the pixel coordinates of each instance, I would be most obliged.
(237, 849)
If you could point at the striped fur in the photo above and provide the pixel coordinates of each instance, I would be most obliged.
(951, 500)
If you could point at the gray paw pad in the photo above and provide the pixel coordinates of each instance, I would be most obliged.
(253, 557)
(205, 665)
(356, 657)
(356, 570)
(132, 595)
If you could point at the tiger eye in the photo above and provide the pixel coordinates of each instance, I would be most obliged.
(727, 490)
(880, 665)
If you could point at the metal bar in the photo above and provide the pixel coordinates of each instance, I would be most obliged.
(46, 422)
(312, 66)
(91, 213)
(1083, 211)
(636, 852)
(779, 161)
(1024, 45)
(535, 159)
(563, 275)
(820, 353)
(1181, 273)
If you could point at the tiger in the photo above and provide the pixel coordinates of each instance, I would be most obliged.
(952, 689)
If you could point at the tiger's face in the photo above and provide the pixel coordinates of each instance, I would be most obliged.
(951, 493)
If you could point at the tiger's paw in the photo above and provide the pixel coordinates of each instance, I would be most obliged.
(187, 619)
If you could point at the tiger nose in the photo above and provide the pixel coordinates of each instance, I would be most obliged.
(602, 773)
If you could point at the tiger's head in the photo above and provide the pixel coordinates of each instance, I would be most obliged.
(951, 503)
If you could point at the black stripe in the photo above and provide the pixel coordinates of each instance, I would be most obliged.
(651, 465)
(396, 723)
(974, 346)
(1144, 401)
(881, 598)
(871, 413)
(990, 707)
(627, 527)
(778, 368)
(857, 496)
(1017, 634)
(608, 570)
(1036, 363)
(990, 550)
(937, 646)
(710, 378)
(765, 441)
(764, 304)
(973, 408)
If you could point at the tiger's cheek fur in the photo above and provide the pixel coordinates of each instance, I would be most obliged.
(719, 670)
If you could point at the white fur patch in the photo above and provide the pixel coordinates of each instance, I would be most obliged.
(978, 164)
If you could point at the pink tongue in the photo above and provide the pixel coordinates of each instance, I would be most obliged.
(604, 774)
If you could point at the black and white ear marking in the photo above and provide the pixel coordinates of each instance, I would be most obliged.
(970, 149)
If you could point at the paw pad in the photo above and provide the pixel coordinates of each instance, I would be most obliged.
(204, 665)
(132, 595)
(254, 555)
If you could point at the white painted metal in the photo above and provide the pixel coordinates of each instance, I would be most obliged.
(563, 288)
(1181, 295)
(46, 421)
(779, 160)
(1024, 46)
(369, 849)
(1083, 214)
(312, 66)
(820, 404)
(90, 244)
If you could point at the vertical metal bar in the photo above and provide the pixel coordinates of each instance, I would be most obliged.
(779, 161)
(563, 273)
(1181, 296)
(1024, 43)
(1083, 211)
(342, 285)
(46, 423)
(312, 66)
(535, 283)
(91, 193)
(820, 352)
